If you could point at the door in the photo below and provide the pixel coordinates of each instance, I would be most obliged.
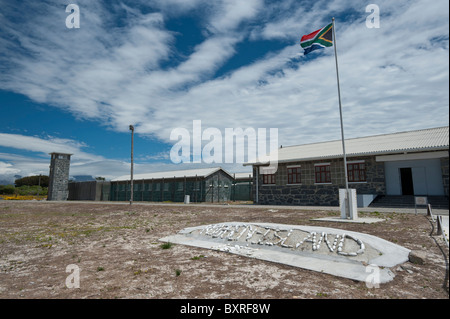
(406, 180)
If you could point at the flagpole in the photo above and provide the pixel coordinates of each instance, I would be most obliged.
(347, 212)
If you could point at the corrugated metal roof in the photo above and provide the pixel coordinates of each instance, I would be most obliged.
(202, 172)
(411, 141)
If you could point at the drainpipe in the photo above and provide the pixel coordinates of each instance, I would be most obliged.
(257, 178)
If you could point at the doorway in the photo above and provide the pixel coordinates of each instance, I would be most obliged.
(406, 181)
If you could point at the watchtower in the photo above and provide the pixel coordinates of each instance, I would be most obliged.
(58, 185)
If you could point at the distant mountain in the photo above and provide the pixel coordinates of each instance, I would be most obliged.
(82, 178)
(6, 181)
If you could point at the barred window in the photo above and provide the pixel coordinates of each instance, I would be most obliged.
(294, 175)
(356, 172)
(322, 173)
(269, 179)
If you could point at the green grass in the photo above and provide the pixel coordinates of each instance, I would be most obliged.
(197, 257)
(167, 245)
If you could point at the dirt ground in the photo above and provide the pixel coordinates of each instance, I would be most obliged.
(116, 249)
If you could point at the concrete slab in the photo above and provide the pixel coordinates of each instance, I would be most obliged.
(361, 256)
(359, 220)
(445, 228)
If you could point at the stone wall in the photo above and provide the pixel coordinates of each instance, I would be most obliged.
(445, 174)
(89, 190)
(58, 187)
(308, 193)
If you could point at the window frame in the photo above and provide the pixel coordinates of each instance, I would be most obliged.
(351, 175)
(269, 179)
(327, 173)
(295, 171)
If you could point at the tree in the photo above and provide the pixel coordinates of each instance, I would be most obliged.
(7, 189)
(41, 180)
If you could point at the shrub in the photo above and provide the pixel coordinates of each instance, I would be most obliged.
(31, 190)
(167, 245)
(7, 189)
(32, 180)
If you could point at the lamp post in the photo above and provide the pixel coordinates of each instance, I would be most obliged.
(132, 142)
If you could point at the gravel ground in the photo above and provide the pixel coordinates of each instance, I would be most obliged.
(116, 250)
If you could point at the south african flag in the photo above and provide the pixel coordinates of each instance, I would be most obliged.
(318, 39)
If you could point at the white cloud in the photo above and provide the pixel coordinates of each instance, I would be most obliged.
(7, 169)
(229, 14)
(47, 146)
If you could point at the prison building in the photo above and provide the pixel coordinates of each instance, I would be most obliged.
(202, 185)
(59, 176)
(90, 190)
(241, 189)
(388, 169)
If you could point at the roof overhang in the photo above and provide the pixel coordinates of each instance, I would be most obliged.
(442, 153)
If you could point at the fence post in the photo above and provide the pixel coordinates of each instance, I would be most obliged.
(174, 187)
(233, 185)
(430, 212)
(249, 187)
(439, 225)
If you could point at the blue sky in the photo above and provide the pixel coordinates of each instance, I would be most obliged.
(161, 64)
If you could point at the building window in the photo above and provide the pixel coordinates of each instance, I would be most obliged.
(356, 172)
(322, 173)
(294, 175)
(268, 179)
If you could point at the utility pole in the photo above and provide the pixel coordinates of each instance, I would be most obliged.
(132, 146)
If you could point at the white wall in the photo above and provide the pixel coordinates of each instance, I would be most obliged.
(427, 176)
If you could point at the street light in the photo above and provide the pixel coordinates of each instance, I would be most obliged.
(132, 142)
